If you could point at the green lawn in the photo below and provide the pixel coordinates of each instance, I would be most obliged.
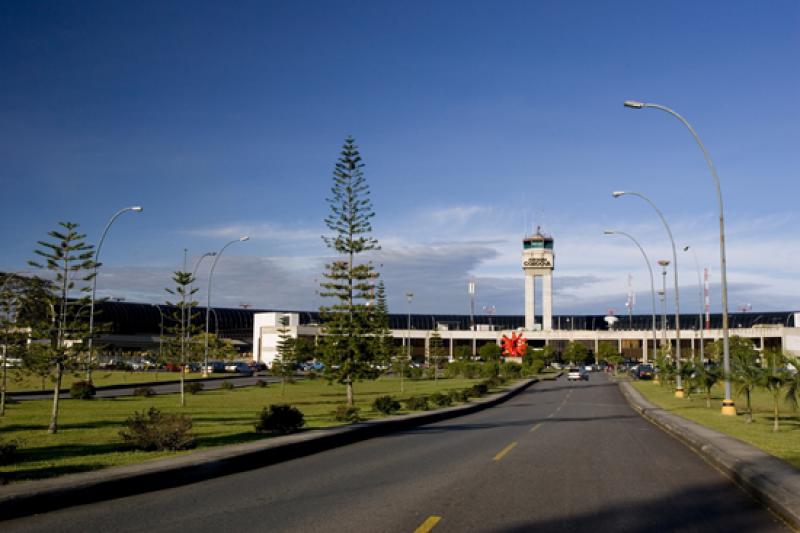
(784, 443)
(88, 436)
(19, 380)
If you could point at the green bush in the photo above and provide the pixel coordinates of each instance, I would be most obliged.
(261, 383)
(347, 413)
(417, 403)
(489, 369)
(414, 372)
(8, 451)
(494, 381)
(440, 399)
(154, 430)
(193, 387)
(226, 385)
(312, 375)
(459, 395)
(82, 390)
(477, 390)
(534, 368)
(279, 418)
(144, 391)
(386, 405)
(510, 370)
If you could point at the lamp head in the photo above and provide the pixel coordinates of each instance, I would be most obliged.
(137, 208)
(609, 232)
(633, 104)
(686, 248)
(244, 238)
(663, 262)
(617, 194)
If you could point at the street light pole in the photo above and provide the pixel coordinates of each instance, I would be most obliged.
(700, 313)
(652, 288)
(728, 405)
(678, 380)
(663, 263)
(191, 290)
(471, 290)
(409, 297)
(136, 209)
(208, 297)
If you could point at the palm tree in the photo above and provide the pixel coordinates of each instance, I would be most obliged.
(775, 377)
(707, 377)
(748, 375)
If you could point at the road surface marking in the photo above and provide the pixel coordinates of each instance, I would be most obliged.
(537, 426)
(504, 451)
(428, 524)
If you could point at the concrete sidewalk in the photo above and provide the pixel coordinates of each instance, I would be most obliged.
(31, 497)
(771, 481)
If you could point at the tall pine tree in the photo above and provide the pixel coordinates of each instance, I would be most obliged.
(348, 327)
(69, 259)
(182, 346)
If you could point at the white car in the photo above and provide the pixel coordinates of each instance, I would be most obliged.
(577, 374)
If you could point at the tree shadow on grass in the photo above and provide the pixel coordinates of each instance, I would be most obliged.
(64, 426)
(47, 472)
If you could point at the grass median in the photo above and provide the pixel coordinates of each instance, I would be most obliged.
(88, 437)
(784, 443)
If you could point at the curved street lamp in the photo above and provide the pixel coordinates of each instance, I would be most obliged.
(208, 301)
(409, 298)
(652, 287)
(135, 209)
(678, 379)
(728, 405)
(699, 314)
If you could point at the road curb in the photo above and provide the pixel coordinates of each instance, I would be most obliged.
(31, 497)
(771, 481)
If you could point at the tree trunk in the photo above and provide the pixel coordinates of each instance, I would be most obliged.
(749, 418)
(349, 386)
(775, 413)
(53, 428)
(183, 396)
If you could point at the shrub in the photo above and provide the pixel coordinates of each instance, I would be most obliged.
(510, 370)
(477, 390)
(347, 413)
(386, 405)
(261, 383)
(8, 451)
(193, 387)
(494, 381)
(459, 395)
(441, 399)
(312, 375)
(155, 430)
(144, 391)
(226, 385)
(417, 403)
(489, 369)
(279, 418)
(82, 390)
(534, 368)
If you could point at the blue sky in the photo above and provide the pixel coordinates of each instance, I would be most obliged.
(476, 120)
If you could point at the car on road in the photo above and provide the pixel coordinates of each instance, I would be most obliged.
(577, 374)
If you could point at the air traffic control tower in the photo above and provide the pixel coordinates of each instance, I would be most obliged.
(538, 260)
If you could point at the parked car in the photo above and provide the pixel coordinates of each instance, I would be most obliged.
(257, 366)
(239, 368)
(215, 366)
(645, 372)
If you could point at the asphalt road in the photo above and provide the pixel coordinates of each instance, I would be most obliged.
(558, 457)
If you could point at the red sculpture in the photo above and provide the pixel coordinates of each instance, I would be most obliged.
(515, 346)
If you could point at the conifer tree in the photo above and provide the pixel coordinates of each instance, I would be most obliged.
(348, 341)
(436, 353)
(284, 363)
(384, 342)
(70, 262)
(181, 346)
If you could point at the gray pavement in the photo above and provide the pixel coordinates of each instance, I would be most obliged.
(556, 457)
